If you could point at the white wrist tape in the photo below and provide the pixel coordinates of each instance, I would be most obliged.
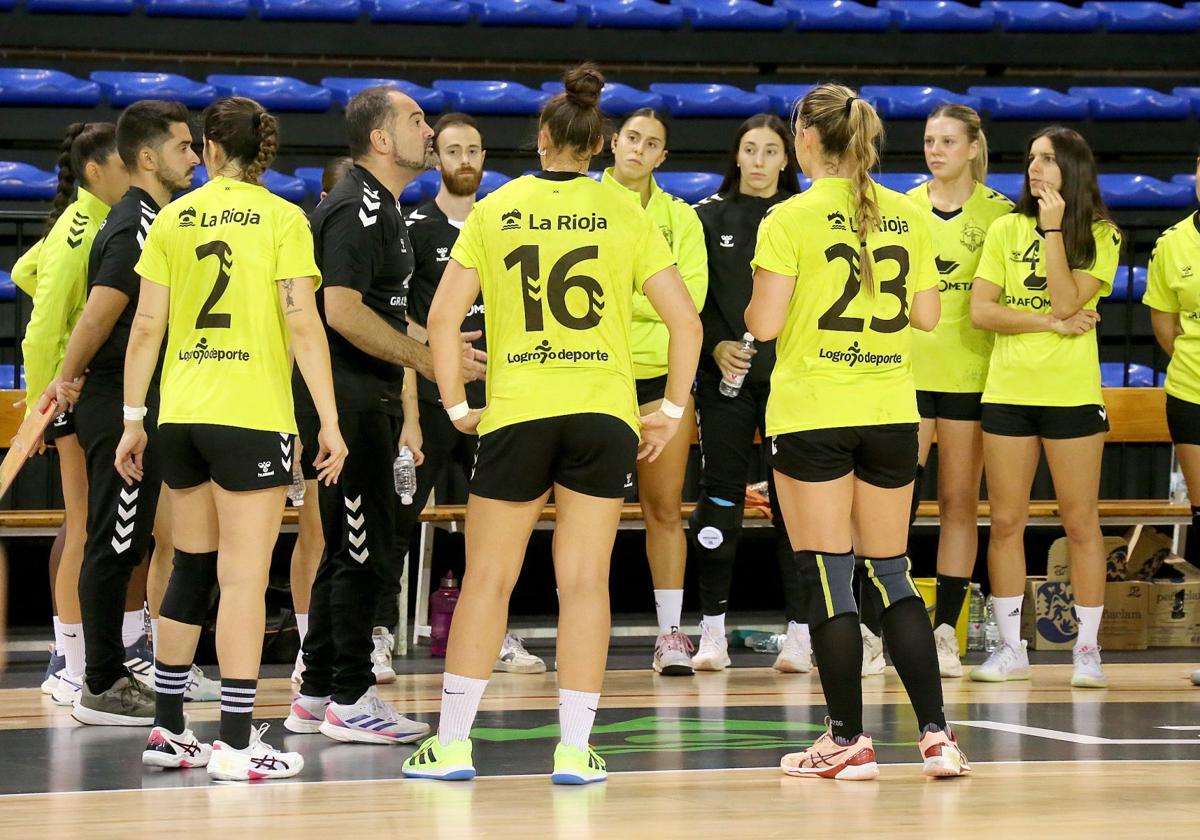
(458, 412)
(132, 413)
(670, 409)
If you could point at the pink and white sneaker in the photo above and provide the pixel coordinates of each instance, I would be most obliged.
(258, 761)
(673, 654)
(942, 755)
(827, 759)
(306, 714)
(177, 752)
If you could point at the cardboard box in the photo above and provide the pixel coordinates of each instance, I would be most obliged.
(1048, 620)
(1149, 549)
(1125, 624)
(1175, 606)
(1058, 562)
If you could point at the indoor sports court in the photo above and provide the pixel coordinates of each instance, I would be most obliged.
(599, 418)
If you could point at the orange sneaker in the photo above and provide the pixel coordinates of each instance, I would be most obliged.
(827, 759)
(942, 754)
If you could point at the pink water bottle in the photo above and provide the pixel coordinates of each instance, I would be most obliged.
(441, 611)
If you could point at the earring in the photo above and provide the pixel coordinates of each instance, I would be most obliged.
(542, 152)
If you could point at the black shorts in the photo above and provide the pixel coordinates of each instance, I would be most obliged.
(885, 456)
(651, 390)
(593, 454)
(235, 459)
(1054, 422)
(948, 405)
(1183, 421)
(63, 425)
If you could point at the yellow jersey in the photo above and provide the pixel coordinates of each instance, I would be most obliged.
(1041, 368)
(559, 258)
(1173, 285)
(953, 357)
(24, 271)
(222, 250)
(844, 355)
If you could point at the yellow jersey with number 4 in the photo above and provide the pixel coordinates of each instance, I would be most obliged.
(953, 357)
(1173, 285)
(222, 250)
(559, 258)
(844, 355)
(1042, 368)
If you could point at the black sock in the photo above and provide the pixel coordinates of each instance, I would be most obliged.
(951, 592)
(837, 646)
(909, 638)
(916, 496)
(170, 683)
(237, 711)
(870, 602)
(795, 587)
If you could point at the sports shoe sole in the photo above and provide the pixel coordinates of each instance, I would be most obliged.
(576, 779)
(846, 773)
(356, 736)
(786, 666)
(458, 774)
(301, 726)
(220, 774)
(997, 678)
(508, 668)
(153, 758)
(950, 672)
(675, 669)
(1088, 682)
(874, 670)
(709, 665)
(49, 685)
(95, 717)
(385, 677)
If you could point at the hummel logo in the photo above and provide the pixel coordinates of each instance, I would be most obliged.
(726, 240)
(443, 254)
(265, 469)
(628, 480)
(1103, 414)
(774, 445)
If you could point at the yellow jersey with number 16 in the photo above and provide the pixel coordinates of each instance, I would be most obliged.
(222, 250)
(1173, 285)
(559, 258)
(844, 355)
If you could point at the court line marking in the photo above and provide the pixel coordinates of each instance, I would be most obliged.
(1181, 728)
(1070, 737)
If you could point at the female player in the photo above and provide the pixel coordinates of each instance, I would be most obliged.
(842, 274)
(88, 160)
(229, 270)
(950, 362)
(1042, 271)
(638, 149)
(761, 173)
(558, 258)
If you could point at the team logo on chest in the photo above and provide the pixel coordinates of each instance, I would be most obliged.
(972, 237)
(726, 240)
(443, 254)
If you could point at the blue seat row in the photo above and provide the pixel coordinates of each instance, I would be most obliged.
(8, 291)
(12, 376)
(803, 15)
(1130, 283)
(1114, 375)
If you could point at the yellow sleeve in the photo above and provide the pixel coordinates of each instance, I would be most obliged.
(991, 261)
(1159, 294)
(468, 247)
(923, 269)
(691, 257)
(652, 253)
(24, 273)
(1108, 255)
(294, 254)
(62, 283)
(775, 250)
(153, 264)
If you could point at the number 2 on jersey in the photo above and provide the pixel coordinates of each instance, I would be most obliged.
(560, 282)
(207, 319)
(833, 319)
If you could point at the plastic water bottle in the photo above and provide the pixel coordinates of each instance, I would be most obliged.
(976, 615)
(732, 386)
(771, 644)
(441, 611)
(1179, 489)
(296, 489)
(404, 473)
(991, 630)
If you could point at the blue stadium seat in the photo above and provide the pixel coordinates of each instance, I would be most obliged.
(1143, 192)
(8, 291)
(229, 9)
(284, 186)
(1112, 375)
(81, 7)
(25, 182)
(733, 14)
(490, 182)
(836, 16)
(418, 11)
(1128, 16)
(689, 186)
(938, 16)
(420, 189)
(1129, 284)
(10, 375)
(630, 14)
(1132, 103)
(276, 93)
(311, 178)
(705, 100)
(1007, 183)
(784, 97)
(5, 5)
(1188, 181)
(491, 97)
(28, 86)
(901, 182)
(1029, 16)
(1030, 103)
(343, 90)
(525, 12)
(308, 9)
(1191, 94)
(912, 102)
(122, 88)
(617, 99)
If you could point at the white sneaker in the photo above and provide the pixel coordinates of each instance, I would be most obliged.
(795, 656)
(515, 659)
(201, 689)
(306, 714)
(258, 761)
(672, 654)
(370, 721)
(54, 669)
(298, 668)
(1004, 663)
(68, 690)
(872, 653)
(178, 752)
(1088, 671)
(946, 640)
(381, 656)
(714, 651)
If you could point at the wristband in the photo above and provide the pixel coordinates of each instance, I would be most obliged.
(1053, 230)
(670, 409)
(458, 412)
(132, 413)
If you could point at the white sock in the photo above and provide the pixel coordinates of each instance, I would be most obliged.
(154, 634)
(59, 645)
(668, 603)
(799, 630)
(460, 702)
(73, 650)
(1089, 626)
(576, 714)
(715, 624)
(302, 625)
(133, 625)
(1008, 619)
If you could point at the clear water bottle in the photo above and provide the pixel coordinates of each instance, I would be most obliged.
(1179, 490)
(404, 473)
(732, 386)
(991, 630)
(441, 612)
(296, 489)
(771, 644)
(976, 615)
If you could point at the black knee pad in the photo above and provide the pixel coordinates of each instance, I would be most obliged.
(830, 579)
(716, 529)
(891, 578)
(190, 591)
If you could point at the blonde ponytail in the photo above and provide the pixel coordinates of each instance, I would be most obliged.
(865, 129)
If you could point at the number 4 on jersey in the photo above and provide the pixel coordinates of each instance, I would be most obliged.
(561, 281)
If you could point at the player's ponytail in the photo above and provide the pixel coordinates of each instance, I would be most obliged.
(247, 134)
(83, 143)
(573, 118)
(268, 146)
(973, 128)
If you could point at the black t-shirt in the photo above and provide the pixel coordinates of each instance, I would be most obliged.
(361, 243)
(433, 237)
(115, 252)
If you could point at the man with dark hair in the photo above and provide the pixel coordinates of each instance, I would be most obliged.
(155, 144)
(366, 261)
(334, 171)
